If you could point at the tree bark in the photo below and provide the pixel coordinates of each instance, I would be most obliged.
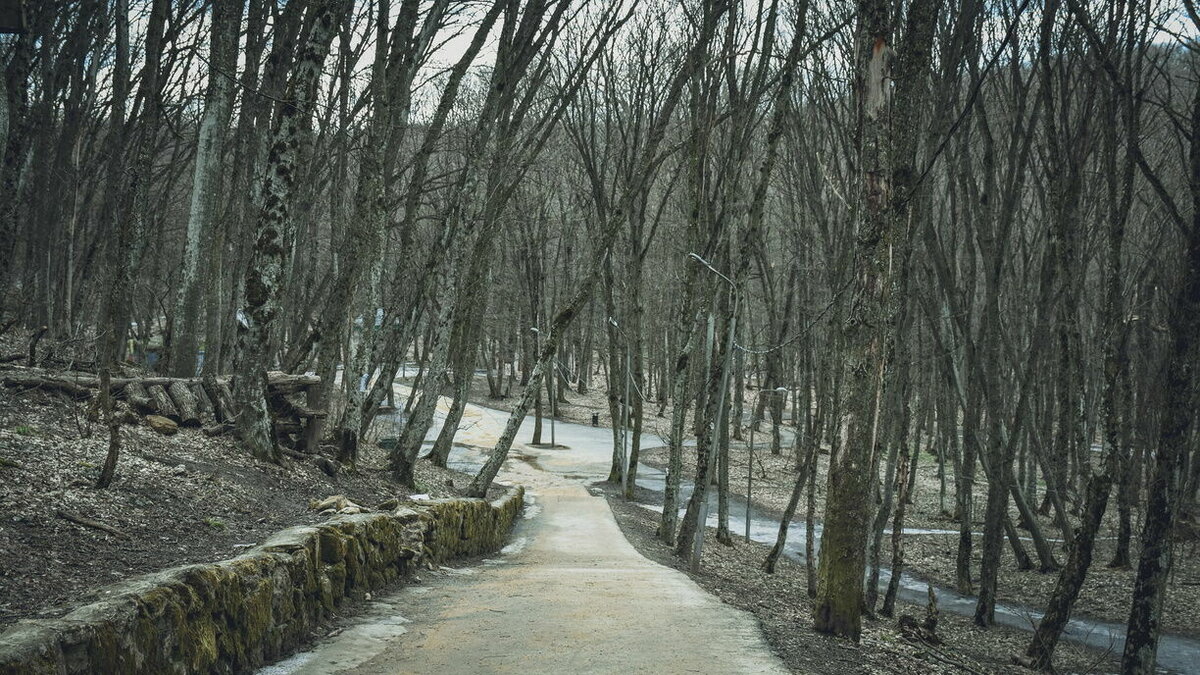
(269, 255)
(839, 603)
(218, 106)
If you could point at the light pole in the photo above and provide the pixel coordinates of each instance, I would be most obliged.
(698, 544)
(750, 465)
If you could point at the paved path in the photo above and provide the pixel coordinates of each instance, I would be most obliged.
(570, 595)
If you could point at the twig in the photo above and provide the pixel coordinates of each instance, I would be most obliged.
(941, 655)
(88, 522)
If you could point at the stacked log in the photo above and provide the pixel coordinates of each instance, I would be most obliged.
(189, 401)
(221, 397)
(138, 398)
(202, 403)
(163, 405)
(185, 403)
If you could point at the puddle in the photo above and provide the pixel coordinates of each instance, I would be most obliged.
(353, 645)
(515, 546)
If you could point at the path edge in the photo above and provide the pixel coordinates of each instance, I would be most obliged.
(235, 615)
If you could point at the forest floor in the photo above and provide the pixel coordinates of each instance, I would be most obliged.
(176, 500)
(781, 604)
(1105, 595)
(570, 597)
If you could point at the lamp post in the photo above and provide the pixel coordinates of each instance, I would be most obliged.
(750, 465)
(698, 543)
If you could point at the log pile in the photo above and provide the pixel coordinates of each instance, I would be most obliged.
(189, 401)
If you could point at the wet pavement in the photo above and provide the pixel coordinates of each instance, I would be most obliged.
(568, 595)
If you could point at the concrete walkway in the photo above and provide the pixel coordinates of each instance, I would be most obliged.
(570, 594)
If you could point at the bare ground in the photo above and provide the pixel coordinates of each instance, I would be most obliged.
(1106, 594)
(784, 611)
(176, 500)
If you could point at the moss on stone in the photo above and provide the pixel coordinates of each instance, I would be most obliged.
(233, 615)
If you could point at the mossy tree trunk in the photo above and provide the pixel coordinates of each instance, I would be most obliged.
(839, 603)
(269, 255)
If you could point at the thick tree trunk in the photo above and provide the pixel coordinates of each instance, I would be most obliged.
(265, 273)
(839, 603)
(13, 152)
(1150, 583)
(708, 441)
(679, 382)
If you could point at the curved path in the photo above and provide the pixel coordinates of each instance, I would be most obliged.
(569, 595)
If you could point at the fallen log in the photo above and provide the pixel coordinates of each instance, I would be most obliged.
(277, 382)
(137, 398)
(185, 403)
(217, 429)
(88, 522)
(285, 383)
(162, 402)
(61, 385)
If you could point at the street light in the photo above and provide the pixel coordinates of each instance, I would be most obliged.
(698, 544)
(750, 465)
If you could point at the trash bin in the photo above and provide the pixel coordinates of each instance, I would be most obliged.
(595, 419)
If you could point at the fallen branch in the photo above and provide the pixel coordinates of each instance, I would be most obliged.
(217, 429)
(88, 522)
(67, 387)
(942, 655)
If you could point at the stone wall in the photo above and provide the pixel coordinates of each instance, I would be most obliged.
(238, 614)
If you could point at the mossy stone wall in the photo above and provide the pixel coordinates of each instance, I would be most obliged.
(236, 615)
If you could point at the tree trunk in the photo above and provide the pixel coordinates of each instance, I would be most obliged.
(187, 320)
(264, 274)
(839, 603)
(1072, 576)
(789, 511)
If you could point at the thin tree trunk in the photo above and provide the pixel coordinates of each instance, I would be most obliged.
(789, 511)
